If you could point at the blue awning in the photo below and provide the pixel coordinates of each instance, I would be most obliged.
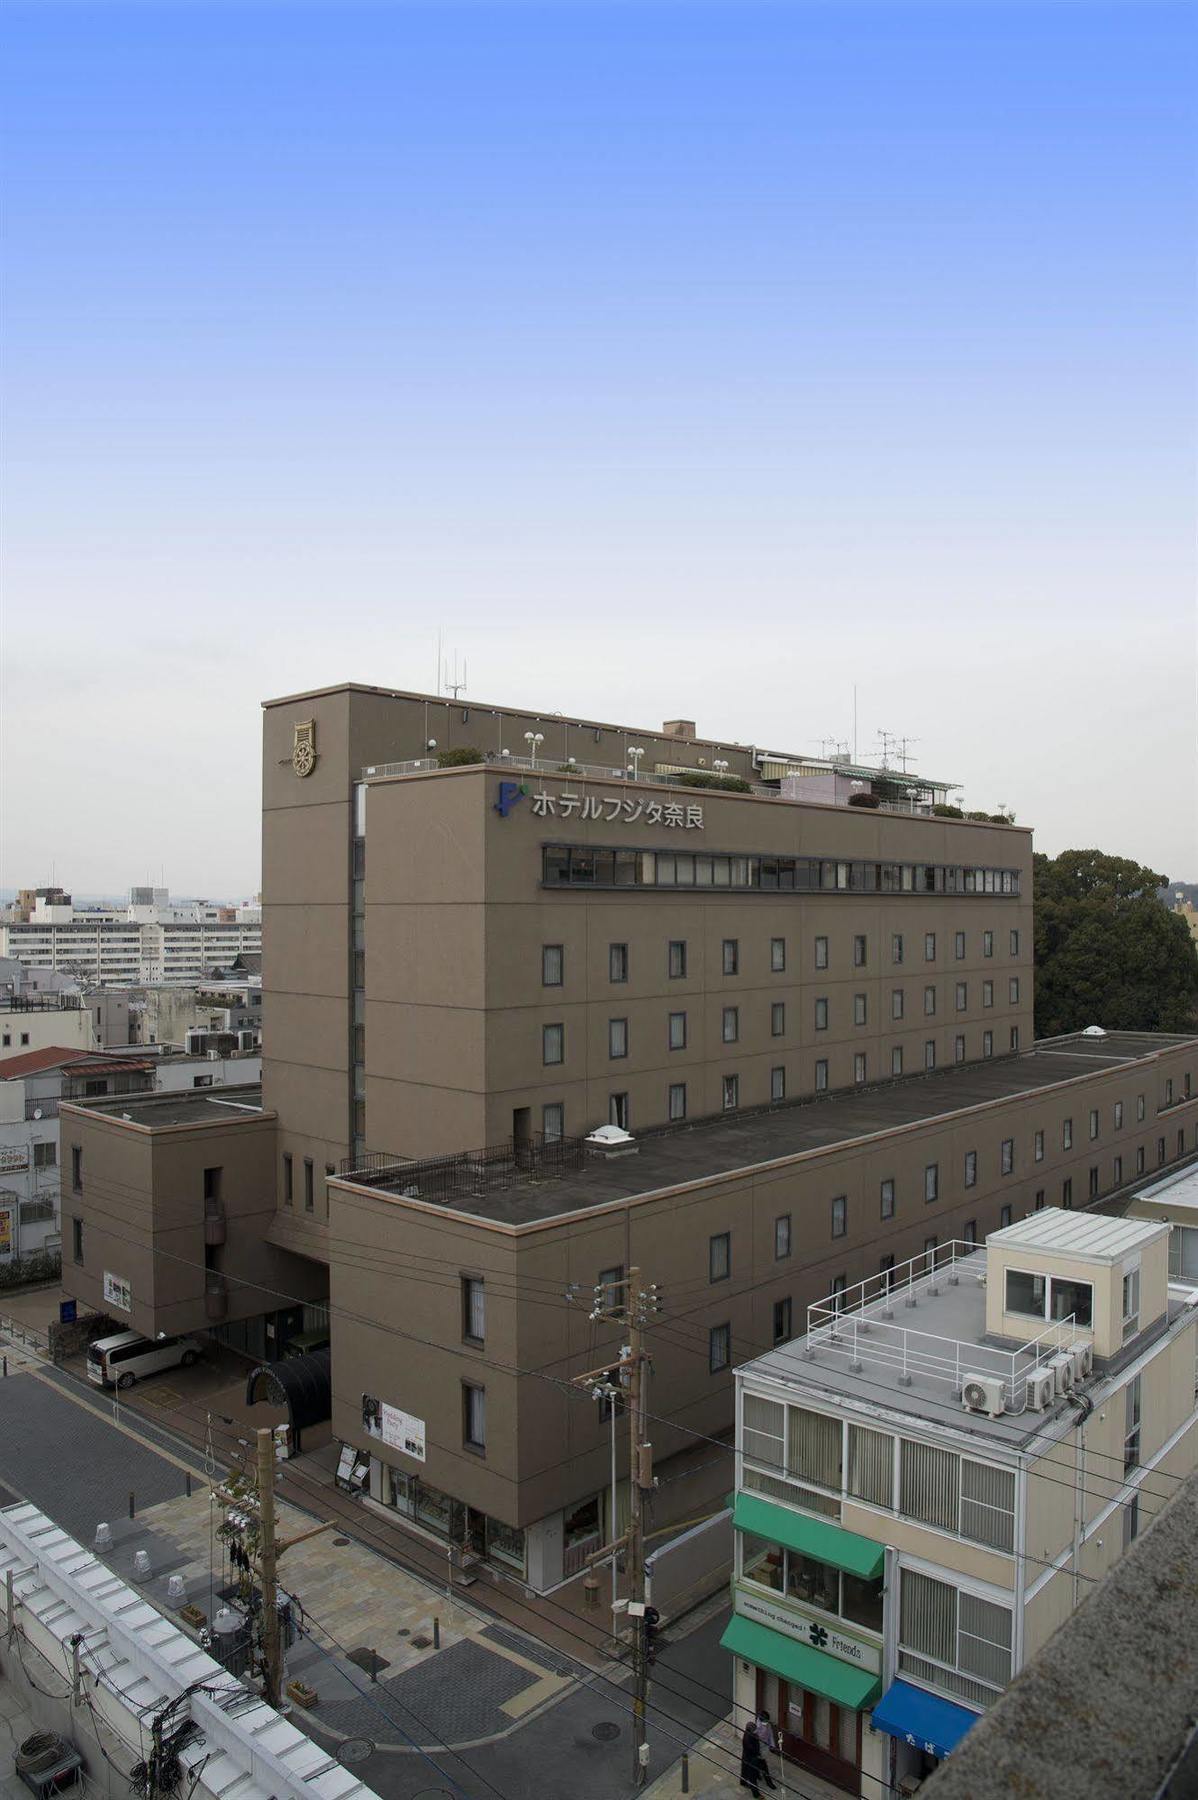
(922, 1719)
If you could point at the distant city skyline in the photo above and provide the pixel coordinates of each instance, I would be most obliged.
(706, 361)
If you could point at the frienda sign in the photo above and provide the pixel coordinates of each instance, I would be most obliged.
(815, 1629)
(618, 808)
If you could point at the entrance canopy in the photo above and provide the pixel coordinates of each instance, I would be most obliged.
(922, 1719)
(303, 1384)
(799, 1663)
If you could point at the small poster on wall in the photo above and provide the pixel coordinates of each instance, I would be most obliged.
(397, 1429)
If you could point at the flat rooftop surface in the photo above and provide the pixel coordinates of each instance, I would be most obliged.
(723, 1144)
(1178, 1189)
(1094, 1235)
(205, 1106)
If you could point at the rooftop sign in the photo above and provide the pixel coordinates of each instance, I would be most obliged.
(617, 807)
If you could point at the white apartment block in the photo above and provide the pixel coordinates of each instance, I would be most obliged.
(142, 944)
(934, 1476)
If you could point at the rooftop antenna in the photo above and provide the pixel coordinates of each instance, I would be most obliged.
(454, 684)
(903, 753)
(854, 721)
(886, 739)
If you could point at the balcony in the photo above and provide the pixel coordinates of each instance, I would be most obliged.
(216, 1298)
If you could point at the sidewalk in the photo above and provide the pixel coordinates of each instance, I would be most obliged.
(713, 1771)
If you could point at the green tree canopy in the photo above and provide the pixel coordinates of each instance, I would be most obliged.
(1107, 951)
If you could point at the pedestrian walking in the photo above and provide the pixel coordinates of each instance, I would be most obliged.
(752, 1762)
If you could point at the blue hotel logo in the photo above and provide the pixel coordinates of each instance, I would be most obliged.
(510, 794)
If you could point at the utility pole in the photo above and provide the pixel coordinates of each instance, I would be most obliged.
(272, 1654)
(626, 1303)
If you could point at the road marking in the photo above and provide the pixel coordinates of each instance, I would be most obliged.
(78, 1400)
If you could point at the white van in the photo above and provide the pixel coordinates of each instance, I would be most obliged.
(121, 1360)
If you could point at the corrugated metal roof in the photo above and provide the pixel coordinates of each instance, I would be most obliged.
(1077, 1234)
(1178, 1189)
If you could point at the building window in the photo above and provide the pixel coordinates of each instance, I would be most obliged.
(731, 1092)
(1004, 1217)
(553, 1121)
(617, 962)
(1094, 1182)
(677, 1098)
(1168, 1093)
(553, 1044)
(1131, 1303)
(782, 1321)
(1014, 1037)
(677, 1031)
(719, 1348)
(474, 1309)
(931, 1182)
(821, 1076)
(896, 1060)
(677, 959)
(212, 1187)
(987, 943)
(731, 955)
(860, 952)
(886, 1272)
(553, 965)
(1140, 1160)
(821, 1014)
(1118, 1171)
(929, 1053)
(474, 1416)
(1067, 1134)
(959, 946)
(1160, 1151)
(971, 1168)
(896, 947)
(896, 1003)
(777, 955)
(782, 1236)
(838, 1290)
(962, 995)
(1013, 988)
(929, 1250)
(1014, 943)
(618, 1111)
(859, 1009)
(778, 1083)
(778, 1019)
(987, 993)
(1118, 1115)
(821, 952)
(929, 1002)
(719, 1256)
(77, 1239)
(886, 1192)
(959, 1048)
(309, 1185)
(730, 1026)
(1131, 1423)
(951, 1638)
(1093, 1122)
(1139, 1108)
(45, 1156)
(77, 1168)
(929, 946)
(1006, 1157)
(859, 1069)
(987, 1043)
(617, 1038)
(969, 1231)
(840, 1215)
(288, 1179)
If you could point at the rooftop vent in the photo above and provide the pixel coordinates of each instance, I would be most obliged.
(1093, 1031)
(611, 1140)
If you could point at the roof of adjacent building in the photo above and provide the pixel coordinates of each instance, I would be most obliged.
(1090, 1235)
(206, 1106)
(1178, 1189)
(736, 1143)
(54, 1056)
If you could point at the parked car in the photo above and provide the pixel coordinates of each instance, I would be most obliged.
(121, 1360)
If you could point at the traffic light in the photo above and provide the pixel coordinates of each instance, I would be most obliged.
(652, 1621)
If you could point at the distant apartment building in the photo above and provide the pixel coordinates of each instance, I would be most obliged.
(143, 943)
(810, 1018)
(938, 1470)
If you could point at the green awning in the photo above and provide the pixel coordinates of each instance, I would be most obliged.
(785, 1656)
(810, 1537)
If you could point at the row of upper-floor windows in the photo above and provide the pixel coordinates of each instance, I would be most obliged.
(579, 865)
(900, 1062)
(619, 962)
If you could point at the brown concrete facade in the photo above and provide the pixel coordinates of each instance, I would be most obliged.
(398, 1264)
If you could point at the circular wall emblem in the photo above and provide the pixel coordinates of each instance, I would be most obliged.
(303, 753)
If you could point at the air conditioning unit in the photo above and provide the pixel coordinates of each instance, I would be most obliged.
(1062, 1372)
(983, 1393)
(246, 1040)
(1083, 1361)
(1041, 1390)
(196, 1041)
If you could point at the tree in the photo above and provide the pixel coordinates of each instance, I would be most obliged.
(1107, 951)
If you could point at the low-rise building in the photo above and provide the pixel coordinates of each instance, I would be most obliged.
(31, 1021)
(930, 1478)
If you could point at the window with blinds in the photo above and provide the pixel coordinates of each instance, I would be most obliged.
(813, 1450)
(762, 1436)
(929, 1482)
(968, 1637)
(928, 1616)
(983, 1639)
(871, 1466)
(988, 1504)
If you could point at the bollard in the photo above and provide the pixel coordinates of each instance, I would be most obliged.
(187, 1483)
(132, 1508)
(6, 1367)
(686, 1773)
(436, 1634)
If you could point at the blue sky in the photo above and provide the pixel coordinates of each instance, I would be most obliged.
(683, 359)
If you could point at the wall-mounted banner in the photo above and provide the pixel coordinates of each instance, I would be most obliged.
(399, 1430)
(617, 807)
(117, 1292)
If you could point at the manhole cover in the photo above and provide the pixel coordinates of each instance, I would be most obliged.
(340, 1542)
(405, 1631)
(370, 1660)
(605, 1730)
(420, 1642)
(355, 1750)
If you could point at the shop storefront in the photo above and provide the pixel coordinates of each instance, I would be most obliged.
(923, 1729)
(807, 1635)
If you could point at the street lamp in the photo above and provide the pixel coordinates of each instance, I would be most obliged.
(720, 767)
(635, 753)
(532, 739)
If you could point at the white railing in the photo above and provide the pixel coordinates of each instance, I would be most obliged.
(859, 1326)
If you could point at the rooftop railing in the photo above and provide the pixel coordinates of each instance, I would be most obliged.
(859, 1325)
(473, 1174)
